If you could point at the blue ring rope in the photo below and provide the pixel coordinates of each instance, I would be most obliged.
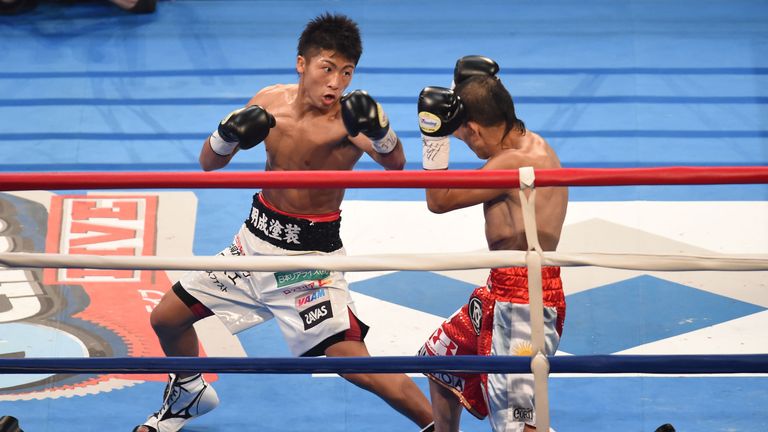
(595, 364)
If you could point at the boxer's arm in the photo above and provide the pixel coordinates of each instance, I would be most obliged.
(241, 129)
(210, 160)
(444, 199)
(394, 160)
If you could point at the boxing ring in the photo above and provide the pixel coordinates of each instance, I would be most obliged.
(525, 179)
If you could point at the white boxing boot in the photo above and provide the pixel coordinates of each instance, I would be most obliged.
(184, 399)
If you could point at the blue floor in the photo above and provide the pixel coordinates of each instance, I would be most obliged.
(86, 87)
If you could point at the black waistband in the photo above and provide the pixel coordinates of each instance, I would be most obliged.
(292, 233)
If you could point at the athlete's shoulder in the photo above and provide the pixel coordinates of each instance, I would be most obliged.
(544, 153)
(274, 94)
(508, 159)
(533, 140)
(279, 89)
(529, 149)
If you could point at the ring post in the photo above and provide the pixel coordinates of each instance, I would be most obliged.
(533, 259)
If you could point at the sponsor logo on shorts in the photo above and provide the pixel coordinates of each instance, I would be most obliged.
(220, 278)
(304, 300)
(450, 380)
(316, 314)
(215, 279)
(440, 344)
(294, 277)
(237, 245)
(475, 311)
(306, 287)
(523, 414)
(235, 249)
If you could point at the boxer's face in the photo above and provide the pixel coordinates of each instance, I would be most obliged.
(469, 132)
(325, 75)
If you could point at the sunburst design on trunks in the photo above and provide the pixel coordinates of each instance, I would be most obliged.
(522, 348)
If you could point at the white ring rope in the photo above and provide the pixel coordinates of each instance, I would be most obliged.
(386, 262)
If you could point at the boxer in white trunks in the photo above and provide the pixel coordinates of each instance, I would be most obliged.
(304, 126)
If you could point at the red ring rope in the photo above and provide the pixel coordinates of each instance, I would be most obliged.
(383, 179)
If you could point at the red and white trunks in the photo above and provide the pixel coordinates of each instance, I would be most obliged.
(496, 321)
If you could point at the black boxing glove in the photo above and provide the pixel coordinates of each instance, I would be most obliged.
(440, 114)
(440, 111)
(473, 65)
(361, 113)
(245, 128)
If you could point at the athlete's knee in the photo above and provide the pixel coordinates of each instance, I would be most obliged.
(171, 316)
(162, 322)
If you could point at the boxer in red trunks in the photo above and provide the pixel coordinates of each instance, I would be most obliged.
(496, 319)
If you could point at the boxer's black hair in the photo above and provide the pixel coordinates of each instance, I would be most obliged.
(333, 32)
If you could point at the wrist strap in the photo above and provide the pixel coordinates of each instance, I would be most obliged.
(220, 146)
(387, 143)
(435, 152)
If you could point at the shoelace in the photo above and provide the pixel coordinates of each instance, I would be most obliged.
(171, 392)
